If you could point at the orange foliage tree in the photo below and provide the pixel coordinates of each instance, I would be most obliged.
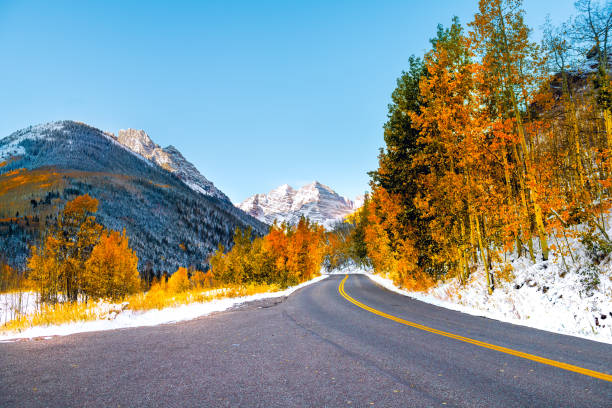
(111, 270)
(390, 248)
(57, 266)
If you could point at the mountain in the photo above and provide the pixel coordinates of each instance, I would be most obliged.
(170, 159)
(173, 215)
(315, 201)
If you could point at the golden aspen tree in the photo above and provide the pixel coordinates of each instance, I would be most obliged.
(44, 270)
(500, 36)
(111, 271)
(58, 265)
(287, 255)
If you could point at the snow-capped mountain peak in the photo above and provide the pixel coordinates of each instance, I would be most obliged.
(169, 158)
(315, 201)
(169, 221)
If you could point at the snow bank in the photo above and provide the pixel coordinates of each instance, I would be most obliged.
(558, 295)
(537, 297)
(129, 318)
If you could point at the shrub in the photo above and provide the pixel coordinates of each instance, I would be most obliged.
(179, 281)
(596, 247)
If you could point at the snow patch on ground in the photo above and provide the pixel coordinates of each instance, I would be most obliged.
(128, 318)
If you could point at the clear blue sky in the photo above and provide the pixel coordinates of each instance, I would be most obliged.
(254, 93)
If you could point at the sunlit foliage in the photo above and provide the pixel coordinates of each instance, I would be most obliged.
(287, 255)
(78, 258)
(111, 270)
(488, 151)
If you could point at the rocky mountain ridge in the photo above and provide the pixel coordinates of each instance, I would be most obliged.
(169, 158)
(315, 201)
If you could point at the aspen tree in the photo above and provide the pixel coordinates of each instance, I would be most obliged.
(499, 31)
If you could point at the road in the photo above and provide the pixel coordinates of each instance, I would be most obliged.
(312, 349)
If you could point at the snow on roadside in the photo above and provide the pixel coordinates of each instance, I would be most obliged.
(570, 294)
(130, 318)
(560, 308)
(13, 304)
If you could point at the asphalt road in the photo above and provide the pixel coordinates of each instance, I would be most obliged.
(312, 349)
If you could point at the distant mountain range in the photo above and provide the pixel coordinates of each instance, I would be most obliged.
(173, 215)
(315, 201)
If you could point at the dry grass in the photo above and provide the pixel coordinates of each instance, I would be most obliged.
(505, 273)
(159, 297)
(52, 315)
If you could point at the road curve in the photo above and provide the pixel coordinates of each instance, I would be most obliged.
(315, 348)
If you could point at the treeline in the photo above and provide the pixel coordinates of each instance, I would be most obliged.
(286, 256)
(79, 260)
(493, 144)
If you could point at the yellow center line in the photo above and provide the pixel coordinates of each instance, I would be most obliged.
(564, 366)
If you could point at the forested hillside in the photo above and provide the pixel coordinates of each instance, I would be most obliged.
(168, 224)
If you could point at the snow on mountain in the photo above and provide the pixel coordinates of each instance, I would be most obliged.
(136, 141)
(315, 201)
(170, 159)
(358, 201)
(169, 221)
(11, 145)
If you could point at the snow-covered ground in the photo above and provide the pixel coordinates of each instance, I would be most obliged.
(559, 310)
(559, 295)
(15, 304)
(113, 317)
(545, 295)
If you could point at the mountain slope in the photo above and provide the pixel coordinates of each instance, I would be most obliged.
(169, 223)
(315, 201)
(170, 159)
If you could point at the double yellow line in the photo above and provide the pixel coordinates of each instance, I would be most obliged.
(564, 366)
